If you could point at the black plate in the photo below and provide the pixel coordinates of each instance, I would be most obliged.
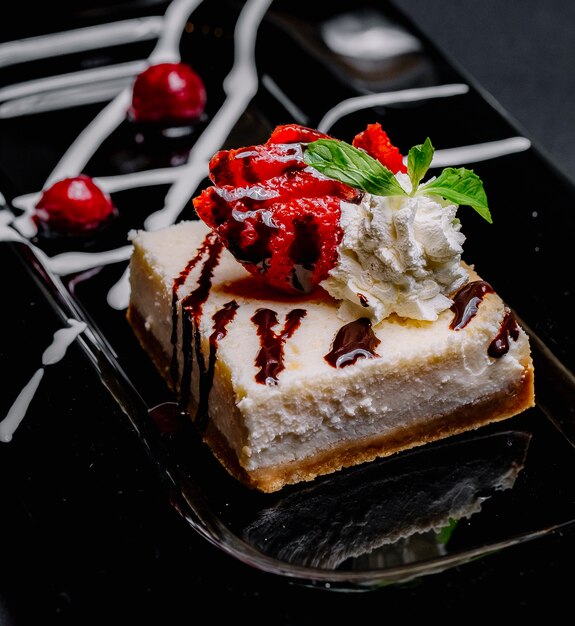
(340, 68)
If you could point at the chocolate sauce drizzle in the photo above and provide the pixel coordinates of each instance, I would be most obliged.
(465, 305)
(206, 247)
(192, 306)
(353, 341)
(466, 302)
(508, 329)
(269, 360)
(221, 319)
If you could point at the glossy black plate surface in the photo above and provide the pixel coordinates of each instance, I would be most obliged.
(393, 520)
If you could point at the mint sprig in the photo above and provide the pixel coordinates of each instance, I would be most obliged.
(460, 186)
(418, 161)
(342, 161)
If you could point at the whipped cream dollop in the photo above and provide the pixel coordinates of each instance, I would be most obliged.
(398, 254)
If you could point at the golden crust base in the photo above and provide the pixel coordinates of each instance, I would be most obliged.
(498, 407)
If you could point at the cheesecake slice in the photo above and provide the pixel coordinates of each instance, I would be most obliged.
(283, 390)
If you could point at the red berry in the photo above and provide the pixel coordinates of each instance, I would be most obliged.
(375, 142)
(168, 92)
(278, 218)
(73, 206)
(294, 133)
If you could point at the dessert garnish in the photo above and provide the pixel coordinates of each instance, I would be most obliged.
(168, 92)
(305, 209)
(73, 206)
(277, 217)
(375, 142)
(354, 166)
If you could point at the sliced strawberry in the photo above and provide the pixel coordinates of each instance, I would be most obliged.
(73, 206)
(291, 246)
(247, 166)
(285, 229)
(294, 133)
(217, 202)
(376, 143)
(279, 218)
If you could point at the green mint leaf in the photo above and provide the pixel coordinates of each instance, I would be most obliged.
(460, 186)
(418, 161)
(354, 167)
(342, 161)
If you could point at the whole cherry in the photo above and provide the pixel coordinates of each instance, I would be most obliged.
(73, 206)
(167, 92)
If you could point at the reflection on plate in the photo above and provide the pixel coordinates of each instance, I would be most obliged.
(390, 513)
(340, 68)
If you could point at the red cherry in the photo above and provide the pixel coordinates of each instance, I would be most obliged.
(167, 92)
(73, 206)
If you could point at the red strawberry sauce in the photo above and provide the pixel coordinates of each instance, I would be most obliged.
(278, 217)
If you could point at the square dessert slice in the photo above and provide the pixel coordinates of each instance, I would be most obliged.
(283, 390)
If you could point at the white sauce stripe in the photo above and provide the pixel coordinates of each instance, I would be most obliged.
(73, 79)
(119, 295)
(7, 233)
(18, 410)
(389, 97)
(147, 178)
(71, 262)
(67, 90)
(79, 40)
(62, 339)
(55, 352)
(451, 157)
(64, 98)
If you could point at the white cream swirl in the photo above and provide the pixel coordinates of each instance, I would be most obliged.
(399, 254)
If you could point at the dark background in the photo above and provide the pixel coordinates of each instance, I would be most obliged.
(522, 53)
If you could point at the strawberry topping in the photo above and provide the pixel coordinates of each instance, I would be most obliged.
(375, 142)
(247, 166)
(294, 133)
(73, 206)
(168, 92)
(279, 219)
(277, 216)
